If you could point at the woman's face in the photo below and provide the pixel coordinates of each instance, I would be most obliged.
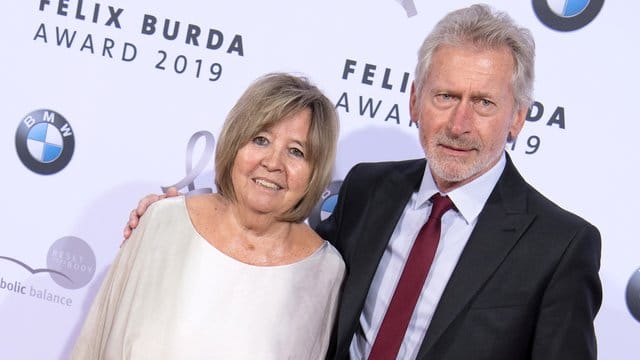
(271, 172)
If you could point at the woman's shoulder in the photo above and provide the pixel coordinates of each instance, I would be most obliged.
(164, 207)
(322, 247)
(307, 236)
(334, 256)
(330, 263)
(204, 211)
(204, 203)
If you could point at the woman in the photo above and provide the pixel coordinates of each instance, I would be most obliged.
(236, 274)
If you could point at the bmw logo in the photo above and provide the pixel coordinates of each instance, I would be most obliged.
(324, 208)
(45, 142)
(633, 295)
(567, 15)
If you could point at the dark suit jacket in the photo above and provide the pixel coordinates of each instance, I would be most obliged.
(526, 285)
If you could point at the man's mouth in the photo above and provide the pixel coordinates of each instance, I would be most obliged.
(456, 149)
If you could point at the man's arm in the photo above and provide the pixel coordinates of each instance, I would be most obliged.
(143, 204)
(572, 299)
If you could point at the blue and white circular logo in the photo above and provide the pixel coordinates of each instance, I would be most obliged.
(324, 207)
(45, 142)
(567, 15)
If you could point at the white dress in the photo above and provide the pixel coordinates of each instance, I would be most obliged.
(169, 294)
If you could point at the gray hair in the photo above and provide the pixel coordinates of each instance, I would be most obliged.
(479, 25)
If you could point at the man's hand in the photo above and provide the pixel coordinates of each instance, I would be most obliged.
(143, 204)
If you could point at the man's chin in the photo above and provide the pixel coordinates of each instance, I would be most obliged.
(452, 171)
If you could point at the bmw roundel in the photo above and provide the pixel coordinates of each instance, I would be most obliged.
(324, 208)
(567, 15)
(45, 142)
(633, 295)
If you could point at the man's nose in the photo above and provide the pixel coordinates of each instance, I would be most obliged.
(461, 118)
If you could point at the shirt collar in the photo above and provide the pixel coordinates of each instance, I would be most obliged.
(470, 198)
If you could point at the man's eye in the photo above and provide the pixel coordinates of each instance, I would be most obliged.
(485, 107)
(485, 102)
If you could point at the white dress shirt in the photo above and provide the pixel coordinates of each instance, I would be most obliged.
(455, 231)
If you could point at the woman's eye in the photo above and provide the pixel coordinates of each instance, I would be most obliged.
(260, 140)
(296, 152)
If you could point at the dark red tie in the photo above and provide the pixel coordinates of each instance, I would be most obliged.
(396, 319)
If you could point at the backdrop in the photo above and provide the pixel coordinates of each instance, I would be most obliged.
(104, 102)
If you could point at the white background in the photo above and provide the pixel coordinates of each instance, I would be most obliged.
(132, 122)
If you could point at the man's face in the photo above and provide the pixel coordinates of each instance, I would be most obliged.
(466, 111)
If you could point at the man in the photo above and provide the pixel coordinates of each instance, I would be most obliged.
(513, 276)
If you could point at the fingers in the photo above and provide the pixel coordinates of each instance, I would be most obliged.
(127, 231)
(130, 225)
(134, 215)
(133, 219)
(172, 191)
(125, 234)
(143, 204)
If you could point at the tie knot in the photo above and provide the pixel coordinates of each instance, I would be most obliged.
(441, 204)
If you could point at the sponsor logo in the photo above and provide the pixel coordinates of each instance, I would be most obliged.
(45, 142)
(327, 203)
(71, 264)
(567, 15)
(633, 295)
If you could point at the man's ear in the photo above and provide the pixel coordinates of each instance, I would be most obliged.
(517, 123)
(414, 108)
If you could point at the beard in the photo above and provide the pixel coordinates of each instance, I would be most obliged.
(455, 169)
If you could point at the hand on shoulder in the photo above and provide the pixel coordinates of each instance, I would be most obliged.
(143, 205)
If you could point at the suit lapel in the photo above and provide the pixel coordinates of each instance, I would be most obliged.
(381, 215)
(500, 225)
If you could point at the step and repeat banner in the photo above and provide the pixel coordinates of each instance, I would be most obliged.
(106, 101)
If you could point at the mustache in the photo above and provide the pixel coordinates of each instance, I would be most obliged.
(465, 143)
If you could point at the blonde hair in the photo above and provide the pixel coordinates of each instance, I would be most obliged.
(268, 100)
